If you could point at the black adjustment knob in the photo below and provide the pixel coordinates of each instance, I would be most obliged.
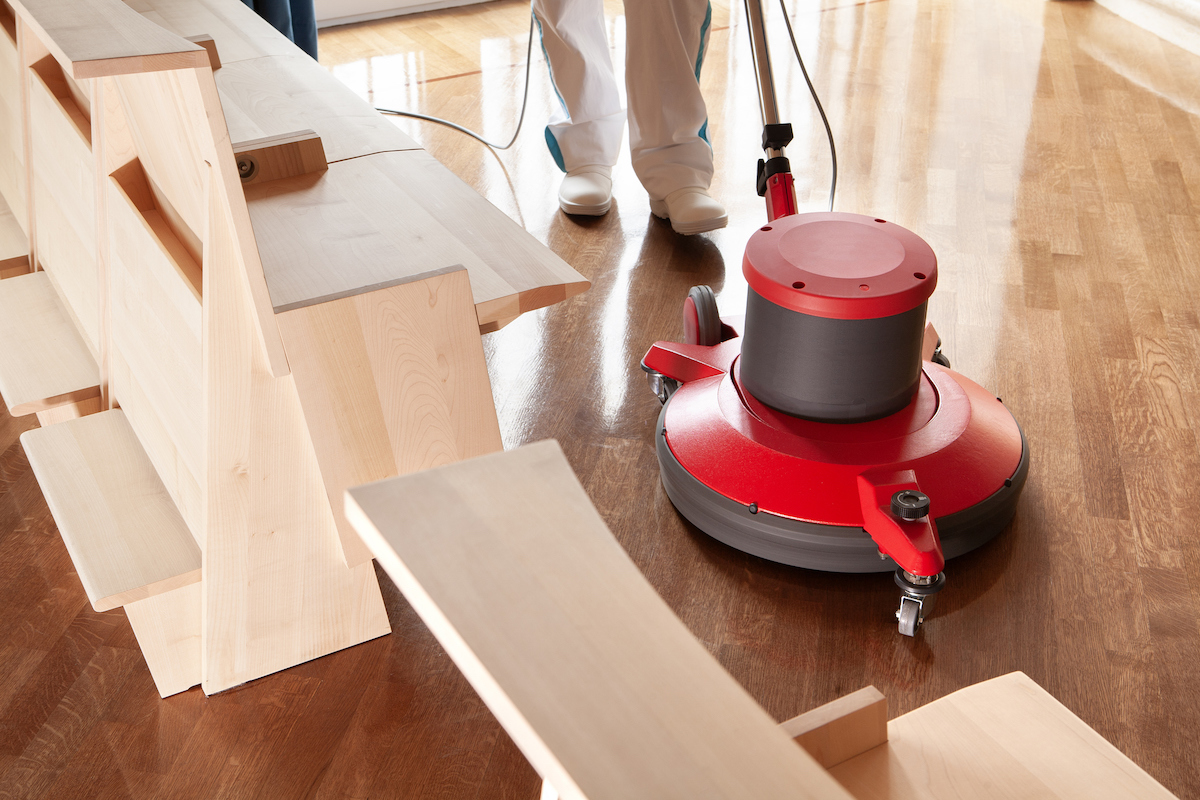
(910, 504)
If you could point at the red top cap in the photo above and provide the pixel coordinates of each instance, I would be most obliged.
(840, 266)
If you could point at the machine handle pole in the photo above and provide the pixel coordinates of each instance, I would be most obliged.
(762, 66)
(775, 182)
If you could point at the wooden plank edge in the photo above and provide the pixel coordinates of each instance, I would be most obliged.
(12, 267)
(180, 56)
(236, 216)
(132, 65)
(495, 314)
(144, 592)
(210, 45)
(51, 403)
(842, 729)
(69, 412)
(375, 287)
(469, 665)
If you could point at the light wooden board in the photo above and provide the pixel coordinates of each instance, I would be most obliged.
(1003, 738)
(14, 247)
(276, 590)
(12, 148)
(166, 119)
(92, 38)
(167, 627)
(282, 94)
(124, 534)
(70, 261)
(391, 382)
(172, 466)
(843, 728)
(600, 685)
(44, 362)
(64, 206)
(156, 370)
(176, 124)
(382, 219)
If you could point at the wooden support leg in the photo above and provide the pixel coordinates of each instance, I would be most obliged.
(167, 627)
(391, 382)
(276, 591)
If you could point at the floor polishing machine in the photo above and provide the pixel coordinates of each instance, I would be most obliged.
(826, 429)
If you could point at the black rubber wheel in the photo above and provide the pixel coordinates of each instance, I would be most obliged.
(701, 320)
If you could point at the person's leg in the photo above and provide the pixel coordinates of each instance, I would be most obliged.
(584, 134)
(668, 120)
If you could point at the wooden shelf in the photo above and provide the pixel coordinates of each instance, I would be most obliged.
(125, 535)
(44, 362)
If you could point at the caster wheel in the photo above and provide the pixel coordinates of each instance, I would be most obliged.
(701, 322)
(939, 357)
(909, 616)
(662, 386)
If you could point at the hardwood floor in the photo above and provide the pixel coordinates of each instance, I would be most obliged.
(1050, 154)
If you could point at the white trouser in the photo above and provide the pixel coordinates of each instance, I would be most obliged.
(665, 44)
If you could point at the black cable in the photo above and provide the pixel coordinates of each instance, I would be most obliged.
(467, 131)
(817, 100)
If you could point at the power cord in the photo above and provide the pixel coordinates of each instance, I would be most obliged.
(467, 131)
(820, 109)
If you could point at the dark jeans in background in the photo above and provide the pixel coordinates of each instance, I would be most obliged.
(295, 19)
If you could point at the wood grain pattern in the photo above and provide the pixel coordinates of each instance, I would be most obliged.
(598, 683)
(94, 38)
(277, 591)
(391, 382)
(168, 628)
(125, 535)
(1006, 737)
(44, 362)
(155, 337)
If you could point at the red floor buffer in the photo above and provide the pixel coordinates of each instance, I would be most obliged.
(827, 430)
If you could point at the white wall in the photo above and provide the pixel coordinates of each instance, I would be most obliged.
(340, 12)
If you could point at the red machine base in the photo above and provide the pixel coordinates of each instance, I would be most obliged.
(816, 494)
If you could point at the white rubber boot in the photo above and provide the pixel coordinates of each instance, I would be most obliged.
(586, 191)
(690, 210)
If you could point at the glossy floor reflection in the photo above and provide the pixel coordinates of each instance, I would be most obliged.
(1050, 154)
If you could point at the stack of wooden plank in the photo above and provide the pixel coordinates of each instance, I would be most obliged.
(248, 292)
